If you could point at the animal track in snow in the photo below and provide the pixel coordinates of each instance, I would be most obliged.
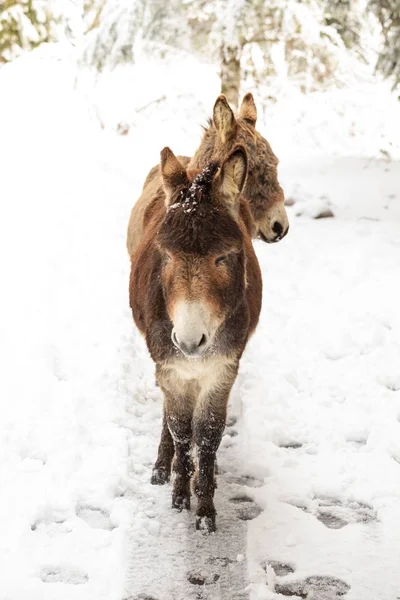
(202, 578)
(223, 561)
(314, 588)
(63, 575)
(247, 509)
(245, 480)
(141, 597)
(280, 569)
(51, 519)
(53, 528)
(358, 438)
(291, 445)
(231, 420)
(95, 517)
(391, 383)
(231, 432)
(335, 514)
(239, 499)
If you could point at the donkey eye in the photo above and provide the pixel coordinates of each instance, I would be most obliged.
(220, 260)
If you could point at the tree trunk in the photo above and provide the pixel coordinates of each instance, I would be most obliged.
(230, 74)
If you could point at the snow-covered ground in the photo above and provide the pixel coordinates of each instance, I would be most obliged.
(309, 487)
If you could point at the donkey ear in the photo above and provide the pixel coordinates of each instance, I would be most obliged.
(232, 177)
(248, 110)
(223, 117)
(172, 171)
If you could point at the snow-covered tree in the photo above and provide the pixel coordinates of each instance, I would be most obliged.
(301, 41)
(346, 17)
(123, 26)
(388, 14)
(24, 24)
(309, 43)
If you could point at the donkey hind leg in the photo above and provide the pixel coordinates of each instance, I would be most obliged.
(208, 428)
(162, 468)
(181, 430)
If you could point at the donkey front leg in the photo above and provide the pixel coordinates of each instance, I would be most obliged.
(162, 468)
(180, 425)
(209, 423)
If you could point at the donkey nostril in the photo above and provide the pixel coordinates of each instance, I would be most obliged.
(174, 339)
(190, 347)
(203, 341)
(277, 228)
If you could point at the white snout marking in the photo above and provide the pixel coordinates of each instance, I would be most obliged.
(278, 214)
(192, 332)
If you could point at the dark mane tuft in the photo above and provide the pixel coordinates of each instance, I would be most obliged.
(200, 188)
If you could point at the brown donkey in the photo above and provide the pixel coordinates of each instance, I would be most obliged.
(262, 188)
(195, 294)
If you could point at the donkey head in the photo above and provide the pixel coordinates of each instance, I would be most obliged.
(201, 245)
(262, 188)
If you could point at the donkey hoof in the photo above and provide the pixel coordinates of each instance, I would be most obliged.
(206, 524)
(180, 502)
(159, 476)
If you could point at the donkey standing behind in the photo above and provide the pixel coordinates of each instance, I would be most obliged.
(262, 189)
(195, 293)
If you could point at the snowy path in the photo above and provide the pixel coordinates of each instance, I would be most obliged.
(318, 425)
(312, 451)
(167, 557)
(318, 410)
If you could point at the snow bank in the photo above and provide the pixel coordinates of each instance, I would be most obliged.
(63, 447)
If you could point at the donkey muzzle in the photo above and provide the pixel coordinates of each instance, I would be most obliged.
(191, 348)
(191, 329)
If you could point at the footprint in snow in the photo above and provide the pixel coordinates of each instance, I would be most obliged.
(202, 578)
(244, 480)
(314, 588)
(390, 382)
(246, 509)
(141, 597)
(52, 528)
(280, 569)
(222, 561)
(63, 575)
(231, 420)
(231, 433)
(95, 517)
(358, 438)
(335, 514)
(291, 445)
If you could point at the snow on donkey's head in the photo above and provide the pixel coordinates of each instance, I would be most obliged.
(201, 244)
(262, 188)
(195, 293)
